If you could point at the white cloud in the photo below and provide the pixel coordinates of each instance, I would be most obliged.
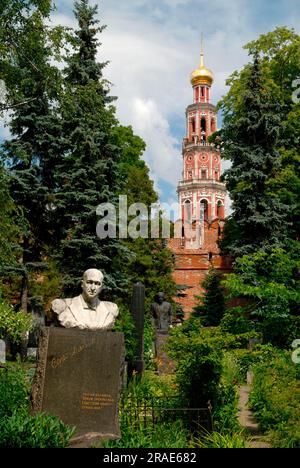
(162, 155)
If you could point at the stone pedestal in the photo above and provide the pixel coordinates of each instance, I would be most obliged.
(79, 379)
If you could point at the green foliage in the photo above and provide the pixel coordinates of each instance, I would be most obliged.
(236, 321)
(19, 429)
(212, 305)
(149, 385)
(165, 435)
(10, 226)
(88, 174)
(219, 440)
(275, 399)
(225, 411)
(279, 59)
(31, 153)
(250, 139)
(137, 434)
(14, 390)
(198, 367)
(41, 431)
(271, 283)
(13, 325)
(124, 324)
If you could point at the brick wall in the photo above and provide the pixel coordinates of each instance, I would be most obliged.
(191, 266)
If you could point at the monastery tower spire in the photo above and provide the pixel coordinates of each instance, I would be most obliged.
(201, 194)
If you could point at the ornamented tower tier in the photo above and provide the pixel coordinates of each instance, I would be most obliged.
(201, 197)
(201, 194)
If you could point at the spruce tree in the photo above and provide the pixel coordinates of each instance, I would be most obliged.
(212, 306)
(250, 140)
(88, 174)
(33, 150)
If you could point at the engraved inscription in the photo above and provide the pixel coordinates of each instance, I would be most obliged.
(58, 361)
(96, 401)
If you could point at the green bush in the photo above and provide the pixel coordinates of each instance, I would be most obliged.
(218, 440)
(13, 325)
(164, 435)
(198, 365)
(14, 390)
(226, 409)
(275, 399)
(236, 321)
(238, 361)
(124, 324)
(19, 429)
(39, 431)
(198, 353)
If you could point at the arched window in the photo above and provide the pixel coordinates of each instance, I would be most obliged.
(187, 211)
(203, 130)
(213, 125)
(204, 209)
(193, 122)
(219, 209)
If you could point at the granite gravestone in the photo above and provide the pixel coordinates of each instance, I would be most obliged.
(79, 379)
(2, 351)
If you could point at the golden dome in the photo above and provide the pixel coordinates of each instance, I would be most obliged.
(202, 75)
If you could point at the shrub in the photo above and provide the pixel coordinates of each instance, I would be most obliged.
(236, 321)
(275, 399)
(196, 352)
(13, 325)
(19, 429)
(218, 440)
(165, 435)
(39, 431)
(124, 324)
(14, 390)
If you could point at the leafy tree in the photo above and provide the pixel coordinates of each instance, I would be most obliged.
(279, 58)
(270, 281)
(32, 152)
(212, 306)
(88, 174)
(280, 55)
(250, 139)
(271, 300)
(10, 225)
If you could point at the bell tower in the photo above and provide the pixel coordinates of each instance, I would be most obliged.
(201, 196)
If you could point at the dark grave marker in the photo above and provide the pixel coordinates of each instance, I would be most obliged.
(163, 362)
(138, 313)
(79, 379)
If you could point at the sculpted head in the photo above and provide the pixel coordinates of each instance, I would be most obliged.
(91, 283)
(160, 297)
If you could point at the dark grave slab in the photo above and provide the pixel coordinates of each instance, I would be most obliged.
(79, 379)
(163, 362)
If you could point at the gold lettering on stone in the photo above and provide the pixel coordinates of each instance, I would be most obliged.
(58, 361)
(96, 401)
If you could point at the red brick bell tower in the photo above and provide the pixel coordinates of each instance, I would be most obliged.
(201, 195)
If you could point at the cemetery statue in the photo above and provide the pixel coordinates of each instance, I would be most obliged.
(86, 311)
(161, 312)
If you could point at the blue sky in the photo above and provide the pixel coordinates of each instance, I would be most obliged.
(153, 46)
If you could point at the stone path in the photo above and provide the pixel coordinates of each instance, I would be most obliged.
(247, 421)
